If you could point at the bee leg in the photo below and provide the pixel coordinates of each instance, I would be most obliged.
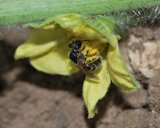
(86, 54)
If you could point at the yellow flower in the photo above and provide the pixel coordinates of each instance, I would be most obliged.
(48, 50)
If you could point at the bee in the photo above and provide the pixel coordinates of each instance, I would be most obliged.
(86, 58)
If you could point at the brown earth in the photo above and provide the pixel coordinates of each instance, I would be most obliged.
(32, 99)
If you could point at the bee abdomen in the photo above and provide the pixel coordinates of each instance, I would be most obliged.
(94, 65)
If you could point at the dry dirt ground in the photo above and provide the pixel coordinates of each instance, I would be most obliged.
(32, 99)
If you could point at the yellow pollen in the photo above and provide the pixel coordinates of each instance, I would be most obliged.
(92, 50)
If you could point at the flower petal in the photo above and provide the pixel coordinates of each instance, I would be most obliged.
(41, 41)
(64, 20)
(95, 89)
(105, 27)
(55, 61)
(68, 20)
(78, 28)
(118, 71)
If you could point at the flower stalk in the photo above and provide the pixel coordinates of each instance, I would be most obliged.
(28, 11)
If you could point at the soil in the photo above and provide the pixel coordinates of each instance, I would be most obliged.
(32, 99)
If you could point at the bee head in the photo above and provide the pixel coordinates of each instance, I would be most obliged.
(76, 45)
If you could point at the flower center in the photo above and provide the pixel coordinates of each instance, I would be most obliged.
(86, 55)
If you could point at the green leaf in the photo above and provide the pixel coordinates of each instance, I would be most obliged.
(95, 89)
(119, 72)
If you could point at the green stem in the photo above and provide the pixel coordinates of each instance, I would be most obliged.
(27, 11)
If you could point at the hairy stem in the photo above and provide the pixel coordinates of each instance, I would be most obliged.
(27, 11)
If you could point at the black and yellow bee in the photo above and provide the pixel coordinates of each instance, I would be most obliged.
(86, 58)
